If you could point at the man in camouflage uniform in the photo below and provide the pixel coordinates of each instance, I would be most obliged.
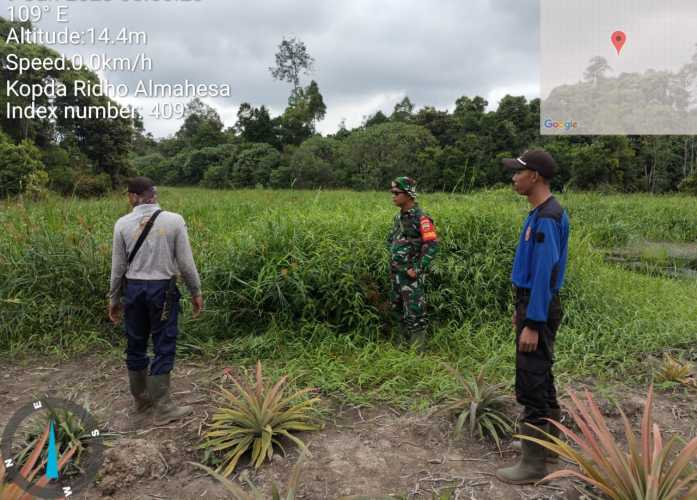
(412, 244)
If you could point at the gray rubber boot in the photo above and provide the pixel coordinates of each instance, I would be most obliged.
(138, 383)
(550, 457)
(164, 408)
(531, 467)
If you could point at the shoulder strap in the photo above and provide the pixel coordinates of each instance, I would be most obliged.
(143, 235)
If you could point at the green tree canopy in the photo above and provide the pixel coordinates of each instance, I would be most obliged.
(372, 157)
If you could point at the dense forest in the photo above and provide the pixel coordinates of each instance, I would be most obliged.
(454, 150)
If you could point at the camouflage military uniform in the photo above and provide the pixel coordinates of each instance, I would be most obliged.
(412, 244)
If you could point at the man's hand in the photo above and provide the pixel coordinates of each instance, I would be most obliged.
(197, 303)
(114, 312)
(528, 340)
(411, 273)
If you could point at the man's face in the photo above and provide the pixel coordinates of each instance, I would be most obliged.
(399, 197)
(524, 180)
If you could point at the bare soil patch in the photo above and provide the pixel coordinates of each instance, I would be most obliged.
(373, 452)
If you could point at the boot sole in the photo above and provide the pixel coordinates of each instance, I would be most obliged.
(551, 460)
(169, 420)
(519, 482)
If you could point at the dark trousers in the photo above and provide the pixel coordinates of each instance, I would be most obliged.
(534, 382)
(143, 304)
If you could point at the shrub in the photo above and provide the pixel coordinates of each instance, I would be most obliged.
(87, 186)
(17, 164)
(153, 165)
(36, 185)
(689, 185)
(254, 166)
(66, 165)
(673, 370)
(376, 155)
(313, 164)
(174, 169)
(647, 470)
(480, 407)
(216, 177)
(200, 160)
(255, 418)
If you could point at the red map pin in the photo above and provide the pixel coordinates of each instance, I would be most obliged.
(618, 40)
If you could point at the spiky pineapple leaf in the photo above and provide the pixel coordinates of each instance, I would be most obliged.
(253, 418)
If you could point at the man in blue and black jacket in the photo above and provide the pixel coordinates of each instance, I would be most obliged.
(538, 275)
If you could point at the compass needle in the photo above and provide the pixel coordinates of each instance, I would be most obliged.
(52, 466)
(82, 458)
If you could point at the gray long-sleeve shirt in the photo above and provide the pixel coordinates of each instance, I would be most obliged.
(164, 253)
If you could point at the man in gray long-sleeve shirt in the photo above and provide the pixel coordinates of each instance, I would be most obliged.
(150, 299)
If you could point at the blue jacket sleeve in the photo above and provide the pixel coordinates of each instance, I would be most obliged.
(545, 256)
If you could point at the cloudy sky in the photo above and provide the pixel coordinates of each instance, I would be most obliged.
(368, 54)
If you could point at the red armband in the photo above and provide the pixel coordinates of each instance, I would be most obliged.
(427, 229)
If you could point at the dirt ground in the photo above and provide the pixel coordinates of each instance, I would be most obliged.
(370, 453)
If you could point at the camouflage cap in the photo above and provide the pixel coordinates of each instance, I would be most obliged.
(406, 184)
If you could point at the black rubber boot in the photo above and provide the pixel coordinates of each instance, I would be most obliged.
(138, 382)
(531, 467)
(550, 457)
(553, 458)
(165, 409)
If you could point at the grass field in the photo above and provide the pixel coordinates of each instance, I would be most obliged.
(299, 279)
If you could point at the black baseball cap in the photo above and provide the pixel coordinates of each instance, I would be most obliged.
(538, 160)
(140, 185)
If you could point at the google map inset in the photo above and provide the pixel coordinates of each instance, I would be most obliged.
(618, 67)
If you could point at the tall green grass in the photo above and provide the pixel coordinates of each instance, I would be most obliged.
(300, 279)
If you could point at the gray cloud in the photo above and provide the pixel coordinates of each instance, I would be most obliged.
(368, 53)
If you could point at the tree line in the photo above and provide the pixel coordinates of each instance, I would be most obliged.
(455, 150)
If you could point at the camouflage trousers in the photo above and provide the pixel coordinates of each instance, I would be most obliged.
(408, 301)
